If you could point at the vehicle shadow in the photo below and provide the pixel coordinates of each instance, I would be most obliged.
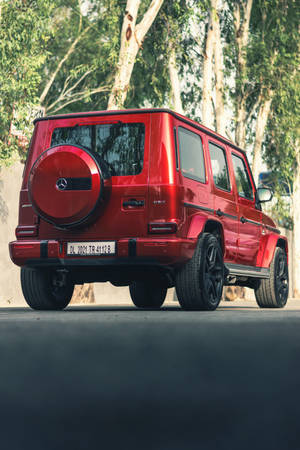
(123, 308)
(120, 308)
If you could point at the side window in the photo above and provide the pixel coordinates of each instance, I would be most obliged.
(242, 179)
(191, 155)
(219, 167)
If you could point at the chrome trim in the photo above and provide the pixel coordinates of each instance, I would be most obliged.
(27, 232)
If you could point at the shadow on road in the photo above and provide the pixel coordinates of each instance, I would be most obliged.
(126, 308)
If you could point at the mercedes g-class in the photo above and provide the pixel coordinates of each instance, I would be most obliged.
(147, 199)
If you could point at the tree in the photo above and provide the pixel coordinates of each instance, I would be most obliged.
(132, 36)
(219, 73)
(213, 114)
(175, 83)
(282, 149)
(82, 54)
(157, 75)
(207, 96)
(261, 29)
(24, 32)
(241, 19)
(274, 39)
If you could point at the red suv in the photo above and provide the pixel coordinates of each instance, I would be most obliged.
(147, 199)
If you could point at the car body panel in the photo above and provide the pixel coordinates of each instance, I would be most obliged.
(161, 195)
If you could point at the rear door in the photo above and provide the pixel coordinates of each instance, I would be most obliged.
(121, 146)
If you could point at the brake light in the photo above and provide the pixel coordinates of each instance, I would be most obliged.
(162, 228)
(24, 246)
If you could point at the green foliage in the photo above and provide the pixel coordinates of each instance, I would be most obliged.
(271, 52)
(150, 83)
(281, 211)
(283, 129)
(191, 56)
(273, 42)
(282, 153)
(274, 56)
(24, 32)
(36, 37)
(280, 207)
(273, 36)
(93, 60)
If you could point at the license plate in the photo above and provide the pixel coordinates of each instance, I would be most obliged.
(91, 248)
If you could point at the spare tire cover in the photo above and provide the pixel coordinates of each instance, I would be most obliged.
(65, 185)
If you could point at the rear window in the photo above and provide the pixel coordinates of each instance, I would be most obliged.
(118, 147)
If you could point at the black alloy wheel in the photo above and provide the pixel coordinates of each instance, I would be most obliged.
(281, 278)
(199, 283)
(273, 292)
(46, 289)
(213, 273)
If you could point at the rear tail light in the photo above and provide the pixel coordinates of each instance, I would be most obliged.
(162, 228)
(26, 231)
(25, 246)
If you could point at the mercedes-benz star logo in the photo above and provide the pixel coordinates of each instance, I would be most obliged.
(61, 184)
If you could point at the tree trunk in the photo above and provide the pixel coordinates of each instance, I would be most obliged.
(240, 128)
(230, 293)
(83, 293)
(296, 220)
(261, 122)
(175, 85)
(207, 105)
(219, 68)
(132, 37)
(241, 16)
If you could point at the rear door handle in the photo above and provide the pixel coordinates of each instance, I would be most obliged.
(243, 220)
(134, 202)
(219, 212)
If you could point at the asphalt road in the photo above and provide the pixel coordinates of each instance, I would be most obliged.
(119, 378)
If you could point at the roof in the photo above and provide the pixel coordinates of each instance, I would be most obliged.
(182, 118)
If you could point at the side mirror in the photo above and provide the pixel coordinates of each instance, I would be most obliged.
(264, 194)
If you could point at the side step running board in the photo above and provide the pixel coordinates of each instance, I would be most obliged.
(247, 271)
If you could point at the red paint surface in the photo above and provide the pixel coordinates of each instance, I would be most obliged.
(63, 207)
(160, 185)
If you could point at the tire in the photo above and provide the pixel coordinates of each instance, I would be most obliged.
(46, 289)
(199, 283)
(147, 294)
(273, 292)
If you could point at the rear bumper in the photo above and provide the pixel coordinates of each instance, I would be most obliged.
(148, 251)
